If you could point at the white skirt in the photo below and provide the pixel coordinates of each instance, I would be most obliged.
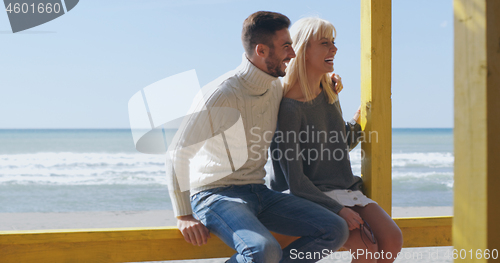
(348, 197)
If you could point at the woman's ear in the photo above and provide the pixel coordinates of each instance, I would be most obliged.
(261, 50)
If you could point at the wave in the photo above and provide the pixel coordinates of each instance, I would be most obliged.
(70, 168)
(424, 170)
(67, 168)
(424, 178)
(414, 159)
(432, 159)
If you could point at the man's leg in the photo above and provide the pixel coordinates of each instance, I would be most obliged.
(230, 213)
(321, 230)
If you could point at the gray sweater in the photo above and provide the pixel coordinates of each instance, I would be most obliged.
(310, 150)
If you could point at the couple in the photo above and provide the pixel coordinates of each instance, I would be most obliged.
(228, 197)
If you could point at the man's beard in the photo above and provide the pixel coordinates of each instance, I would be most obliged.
(274, 65)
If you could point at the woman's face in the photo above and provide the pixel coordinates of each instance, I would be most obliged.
(320, 54)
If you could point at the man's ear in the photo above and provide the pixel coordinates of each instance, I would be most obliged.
(261, 50)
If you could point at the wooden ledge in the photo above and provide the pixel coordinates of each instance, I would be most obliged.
(164, 243)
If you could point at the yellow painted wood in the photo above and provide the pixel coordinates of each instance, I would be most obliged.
(164, 243)
(376, 100)
(414, 222)
(104, 245)
(477, 126)
(85, 235)
(426, 231)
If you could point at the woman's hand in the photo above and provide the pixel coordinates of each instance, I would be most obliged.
(357, 114)
(337, 83)
(352, 218)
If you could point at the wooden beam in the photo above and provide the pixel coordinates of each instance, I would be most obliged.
(426, 231)
(163, 243)
(477, 125)
(105, 245)
(376, 100)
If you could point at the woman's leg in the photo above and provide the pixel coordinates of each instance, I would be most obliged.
(362, 250)
(387, 233)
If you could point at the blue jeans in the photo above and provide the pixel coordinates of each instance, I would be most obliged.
(242, 217)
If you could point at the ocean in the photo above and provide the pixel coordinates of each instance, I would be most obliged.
(99, 170)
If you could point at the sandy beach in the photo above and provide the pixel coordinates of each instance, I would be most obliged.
(111, 219)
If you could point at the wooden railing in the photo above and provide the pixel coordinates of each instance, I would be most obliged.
(163, 243)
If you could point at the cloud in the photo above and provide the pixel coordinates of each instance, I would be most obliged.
(444, 24)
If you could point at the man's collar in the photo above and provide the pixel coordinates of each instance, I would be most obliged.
(257, 81)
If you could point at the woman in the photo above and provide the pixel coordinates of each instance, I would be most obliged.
(311, 146)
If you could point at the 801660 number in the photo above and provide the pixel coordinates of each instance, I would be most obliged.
(40, 8)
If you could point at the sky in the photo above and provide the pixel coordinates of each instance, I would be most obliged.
(81, 69)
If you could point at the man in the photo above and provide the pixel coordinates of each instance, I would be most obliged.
(227, 193)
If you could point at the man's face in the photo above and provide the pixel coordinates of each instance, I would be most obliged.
(280, 54)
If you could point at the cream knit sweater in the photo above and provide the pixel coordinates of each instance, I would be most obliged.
(203, 165)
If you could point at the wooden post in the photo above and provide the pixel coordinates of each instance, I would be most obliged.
(376, 100)
(476, 226)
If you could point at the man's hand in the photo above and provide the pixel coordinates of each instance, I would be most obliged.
(193, 230)
(352, 218)
(337, 83)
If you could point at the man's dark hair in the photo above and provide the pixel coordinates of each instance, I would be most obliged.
(259, 28)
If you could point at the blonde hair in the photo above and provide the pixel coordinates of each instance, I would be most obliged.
(302, 32)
